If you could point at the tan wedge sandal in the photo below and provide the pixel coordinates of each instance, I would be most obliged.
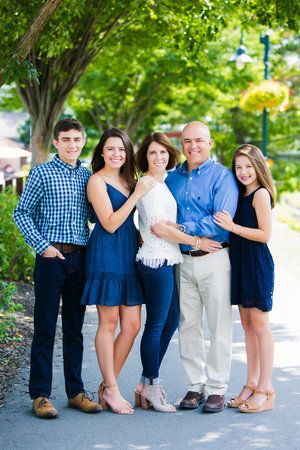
(237, 401)
(251, 407)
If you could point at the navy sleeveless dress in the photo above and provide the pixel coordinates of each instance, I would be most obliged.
(111, 272)
(252, 267)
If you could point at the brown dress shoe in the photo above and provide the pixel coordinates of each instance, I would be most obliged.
(214, 403)
(43, 408)
(82, 402)
(192, 400)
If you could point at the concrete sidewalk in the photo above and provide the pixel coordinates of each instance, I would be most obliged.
(279, 428)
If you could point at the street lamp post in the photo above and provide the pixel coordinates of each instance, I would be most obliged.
(240, 58)
(266, 42)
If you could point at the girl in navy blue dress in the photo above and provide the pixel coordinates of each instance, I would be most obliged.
(252, 278)
(112, 282)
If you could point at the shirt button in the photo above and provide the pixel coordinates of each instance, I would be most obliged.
(186, 193)
(191, 178)
(188, 207)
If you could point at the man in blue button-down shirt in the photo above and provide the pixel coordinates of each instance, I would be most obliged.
(202, 187)
(52, 216)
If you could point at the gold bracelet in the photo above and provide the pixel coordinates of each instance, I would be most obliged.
(197, 244)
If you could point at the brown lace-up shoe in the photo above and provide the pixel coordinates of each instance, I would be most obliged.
(192, 400)
(43, 408)
(84, 403)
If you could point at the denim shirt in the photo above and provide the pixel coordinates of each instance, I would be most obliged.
(200, 194)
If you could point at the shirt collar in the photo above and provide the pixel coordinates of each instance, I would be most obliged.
(199, 169)
(59, 163)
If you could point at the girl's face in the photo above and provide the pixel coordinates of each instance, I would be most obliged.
(114, 153)
(245, 171)
(157, 157)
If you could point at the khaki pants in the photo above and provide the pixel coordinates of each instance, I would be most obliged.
(204, 282)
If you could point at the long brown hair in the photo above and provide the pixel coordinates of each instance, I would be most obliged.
(159, 138)
(261, 168)
(128, 170)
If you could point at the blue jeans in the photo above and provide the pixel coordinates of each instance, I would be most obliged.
(55, 278)
(162, 306)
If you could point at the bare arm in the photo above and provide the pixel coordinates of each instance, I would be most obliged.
(262, 206)
(170, 232)
(97, 194)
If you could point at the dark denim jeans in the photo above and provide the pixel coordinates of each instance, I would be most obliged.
(55, 278)
(162, 307)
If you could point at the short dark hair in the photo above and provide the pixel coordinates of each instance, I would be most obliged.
(66, 125)
(128, 170)
(162, 139)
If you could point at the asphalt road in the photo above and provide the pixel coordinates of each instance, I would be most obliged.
(278, 429)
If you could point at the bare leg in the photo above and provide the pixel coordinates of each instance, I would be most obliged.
(104, 343)
(261, 328)
(130, 323)
(252, 354)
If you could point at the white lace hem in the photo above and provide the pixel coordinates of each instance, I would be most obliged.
(155, 263)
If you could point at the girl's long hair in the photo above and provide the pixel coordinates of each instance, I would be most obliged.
(128, 170)
(261, 168)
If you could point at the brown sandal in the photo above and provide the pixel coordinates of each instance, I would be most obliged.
(236, 402)
(251, 407)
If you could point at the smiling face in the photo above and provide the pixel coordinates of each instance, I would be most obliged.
(114, 153)
(245, 172)
(196, 144)
(69, 145)
(158, 158)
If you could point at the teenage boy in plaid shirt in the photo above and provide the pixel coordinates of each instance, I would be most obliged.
(52, 216)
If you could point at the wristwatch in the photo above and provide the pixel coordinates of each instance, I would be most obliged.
(182, 228)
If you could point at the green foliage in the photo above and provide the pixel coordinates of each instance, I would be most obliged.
(16, 257)
(7, 308)
(287, 176)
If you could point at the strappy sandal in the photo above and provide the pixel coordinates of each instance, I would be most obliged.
(105, 404)
(251, 407)
(237, 401)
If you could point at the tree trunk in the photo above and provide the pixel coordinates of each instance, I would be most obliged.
(34, 31)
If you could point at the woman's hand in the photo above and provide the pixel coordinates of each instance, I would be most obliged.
(224, 220)
(144, 185)
(210, 246)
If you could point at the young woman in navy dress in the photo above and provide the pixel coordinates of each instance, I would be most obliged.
(253, 274)
(112, 282)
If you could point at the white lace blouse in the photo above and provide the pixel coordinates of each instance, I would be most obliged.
(158, 204)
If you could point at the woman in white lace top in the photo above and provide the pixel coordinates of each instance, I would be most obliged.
(156, 261)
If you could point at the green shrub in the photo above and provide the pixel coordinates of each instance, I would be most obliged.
(16, 257)
(7, 309)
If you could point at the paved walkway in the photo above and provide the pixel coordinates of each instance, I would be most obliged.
(278, 429)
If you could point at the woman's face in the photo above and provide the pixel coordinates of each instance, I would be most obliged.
(157, 157)
(114, 153)
(245, 171)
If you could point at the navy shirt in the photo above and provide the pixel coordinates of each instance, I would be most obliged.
(200, 194)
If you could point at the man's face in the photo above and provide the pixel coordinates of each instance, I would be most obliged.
(69, 145)
(196, 145)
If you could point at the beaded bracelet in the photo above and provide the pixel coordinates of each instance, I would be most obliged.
(197, 244)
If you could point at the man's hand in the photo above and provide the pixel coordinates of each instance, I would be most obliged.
(52, 252)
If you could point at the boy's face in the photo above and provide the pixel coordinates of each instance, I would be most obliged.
(69, 145)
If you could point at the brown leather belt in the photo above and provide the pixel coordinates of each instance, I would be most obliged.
(202, 252)
(68, 248)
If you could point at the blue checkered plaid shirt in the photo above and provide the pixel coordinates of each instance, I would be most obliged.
(53, 206)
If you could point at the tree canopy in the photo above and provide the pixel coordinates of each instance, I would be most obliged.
(144, 62)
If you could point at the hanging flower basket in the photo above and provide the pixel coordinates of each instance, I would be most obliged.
(269, 94)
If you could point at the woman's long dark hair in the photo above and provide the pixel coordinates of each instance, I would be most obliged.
(128, 170)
